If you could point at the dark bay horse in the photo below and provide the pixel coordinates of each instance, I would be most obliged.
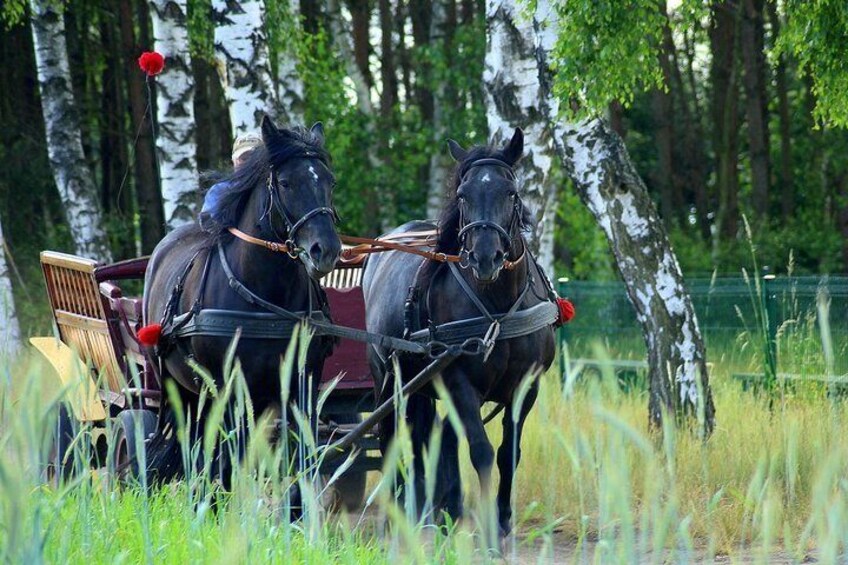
(482, 222)
(283, 195)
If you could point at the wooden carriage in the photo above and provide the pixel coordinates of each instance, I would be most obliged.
(97, 355)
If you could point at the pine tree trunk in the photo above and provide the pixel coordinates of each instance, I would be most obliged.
(510, 77)
(242, 55)
(596, 160)
(64, 143)
(724, 73)
(10, 333)
(694, 160)
(342, 43)
(148, 198)
(360, 14)
(389, 100)
(756, 102)
(787, 190)
(663, 115)
(175, 136)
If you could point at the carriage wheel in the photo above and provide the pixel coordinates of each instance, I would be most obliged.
(127, 449)
(349, 489)
(61, 461)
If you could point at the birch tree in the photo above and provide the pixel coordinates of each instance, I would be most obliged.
(440, 163)
(288, 89)
(241, 49)
(62, 127)
(595, 159)
(513, 100)
(10, 334)
(175, 136)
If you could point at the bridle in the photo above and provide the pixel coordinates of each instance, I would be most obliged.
(287, 243)
(515, 222)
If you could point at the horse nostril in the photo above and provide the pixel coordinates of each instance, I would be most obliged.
(499, 257)
(315, 252)
(472, 258)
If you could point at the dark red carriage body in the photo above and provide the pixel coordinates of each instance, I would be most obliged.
(97, 313)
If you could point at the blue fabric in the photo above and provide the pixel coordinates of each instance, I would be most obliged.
(213, 199)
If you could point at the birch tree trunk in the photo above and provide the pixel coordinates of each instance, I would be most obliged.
(241, 50)
(62, 126)
(439, 161)
(513, 100)
(288, 90)
(596, 160)
(343, 43)
(175, 139)
(10, 333)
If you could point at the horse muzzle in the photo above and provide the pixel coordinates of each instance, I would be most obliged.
(487, 268)
(320, 258)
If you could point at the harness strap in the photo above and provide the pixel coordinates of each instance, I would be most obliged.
(466, 288)
(271, 245)
(316, 322)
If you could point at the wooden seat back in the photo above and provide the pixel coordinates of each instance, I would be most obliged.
(79, 313)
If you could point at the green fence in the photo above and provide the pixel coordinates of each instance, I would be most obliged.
(730, 317)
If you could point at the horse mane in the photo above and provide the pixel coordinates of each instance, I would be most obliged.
(292, 143)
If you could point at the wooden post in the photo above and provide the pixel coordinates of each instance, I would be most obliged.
(770, 332)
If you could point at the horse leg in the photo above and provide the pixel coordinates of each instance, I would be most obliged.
(509, 453)
(448, 482)
(468, 404)
(421, 411)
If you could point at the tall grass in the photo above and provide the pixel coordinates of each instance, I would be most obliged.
(592, 486)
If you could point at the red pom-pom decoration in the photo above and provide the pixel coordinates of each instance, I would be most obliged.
(566, 311)
(149, 335)
(151, 63)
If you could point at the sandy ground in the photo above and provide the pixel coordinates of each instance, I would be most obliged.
(560, 548)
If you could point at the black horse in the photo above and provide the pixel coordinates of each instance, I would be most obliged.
(282, 195)
(482, 222)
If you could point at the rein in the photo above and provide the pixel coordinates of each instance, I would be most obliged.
(363, 246)
(413, 241)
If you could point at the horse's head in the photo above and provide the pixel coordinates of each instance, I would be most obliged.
(300, 187)
(490, 212)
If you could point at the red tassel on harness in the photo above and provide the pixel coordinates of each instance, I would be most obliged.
(149, 335)
(566, 311)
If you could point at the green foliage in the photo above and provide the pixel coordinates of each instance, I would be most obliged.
(368, 197)
(605, 50)
(816, 34)
(12, 12)
(582, 251)
(201, 29)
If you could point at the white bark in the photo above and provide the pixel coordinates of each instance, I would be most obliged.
(175, 136)
(241, 50)
(439, 160)
(598, 164)
(343, 43)
(513, 99)
(289, 86)
(10, 333)
(62, 126)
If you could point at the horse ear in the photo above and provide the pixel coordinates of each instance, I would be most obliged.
(269, 130)
(456, 151)
(515, 148)
(317, 131)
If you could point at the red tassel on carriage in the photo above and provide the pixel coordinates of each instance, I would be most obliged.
(566, 311)
(149, 335)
